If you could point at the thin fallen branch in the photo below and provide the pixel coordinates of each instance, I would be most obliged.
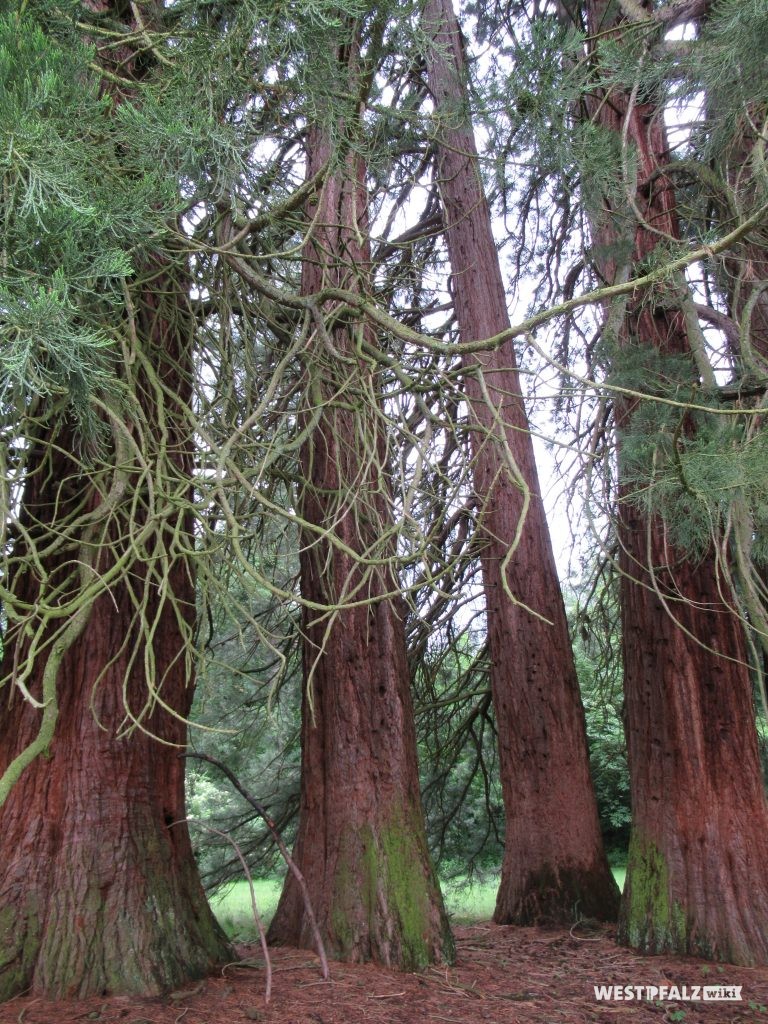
(285, 853)
(254, 908)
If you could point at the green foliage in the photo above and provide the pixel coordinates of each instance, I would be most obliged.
(649, 371)
(536, 92)
(458, 755)
(71, 217)
(691, 470)
(729, 63)
(257, 738)
(42, 106)
(689, 467)
(247, 713)
(46, 350)
(597, 654)
(697, 485)
(54, 215)
(527, 105)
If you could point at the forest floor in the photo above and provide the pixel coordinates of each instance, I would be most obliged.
(502, 975)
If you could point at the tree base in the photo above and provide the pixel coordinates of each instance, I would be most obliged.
(724, 919)
(379, 902)
(559, 896)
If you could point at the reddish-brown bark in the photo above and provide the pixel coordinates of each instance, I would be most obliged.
(554, 864)
(697, 879)
(99, 891)
(361, 844)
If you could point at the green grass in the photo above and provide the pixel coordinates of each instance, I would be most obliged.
(232, 906)
(466, 903)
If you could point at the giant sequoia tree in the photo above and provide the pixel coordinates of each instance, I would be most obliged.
(553, 858)
(698, 853)
(204, 354)
(361, 843)
(98, 884)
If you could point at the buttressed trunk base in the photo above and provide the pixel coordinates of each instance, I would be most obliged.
(99, 891)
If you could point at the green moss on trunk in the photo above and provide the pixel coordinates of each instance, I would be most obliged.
(410, 885)
(650, 919)
(18, 947)
(387, 905)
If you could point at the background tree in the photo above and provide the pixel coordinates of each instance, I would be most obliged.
(695, 776)
(553, 858)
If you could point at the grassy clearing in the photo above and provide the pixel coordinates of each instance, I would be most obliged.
(232, 906)
(466, 903)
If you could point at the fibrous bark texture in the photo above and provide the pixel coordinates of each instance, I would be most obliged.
(99, 891)
(698, 864)
(361, 844)
(554, 865)
(696, 877)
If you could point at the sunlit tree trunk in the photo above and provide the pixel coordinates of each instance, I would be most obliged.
(554, 865)
(99, 891)
(697, 878)
(361, 843)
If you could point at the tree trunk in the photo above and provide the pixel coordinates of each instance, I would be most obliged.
(361, 843)
(698, 859)
(98, 885)
(697, 878)
(554, 867)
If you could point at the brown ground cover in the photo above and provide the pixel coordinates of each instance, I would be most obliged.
(503, 975)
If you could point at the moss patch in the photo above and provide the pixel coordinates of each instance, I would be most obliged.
(409, 892)
(19, 946)
(387, 903)
(650, 919)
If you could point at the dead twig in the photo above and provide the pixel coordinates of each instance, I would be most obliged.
(292, 866)
(254, 908)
